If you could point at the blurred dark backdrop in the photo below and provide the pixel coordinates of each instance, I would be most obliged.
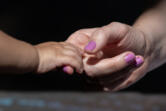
(46, 20)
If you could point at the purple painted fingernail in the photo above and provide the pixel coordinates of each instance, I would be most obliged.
(139, 61)
(65, 69)
(129, 58)
(91, 46)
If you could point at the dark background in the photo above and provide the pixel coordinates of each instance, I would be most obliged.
(44, 20)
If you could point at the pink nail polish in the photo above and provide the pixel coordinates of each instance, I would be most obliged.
(139, 61)
(91, 46)
(65, 69)
(129, 58)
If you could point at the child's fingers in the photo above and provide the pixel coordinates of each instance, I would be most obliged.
(74, 48)
(73, 54)
(72, 58)
(69, 70)
(74, 61)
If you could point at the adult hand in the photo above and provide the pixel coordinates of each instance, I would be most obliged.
(117, 54)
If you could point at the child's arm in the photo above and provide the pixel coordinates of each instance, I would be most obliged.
(16, 56)
(20, 57)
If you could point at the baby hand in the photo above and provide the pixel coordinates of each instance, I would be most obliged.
(57, 54)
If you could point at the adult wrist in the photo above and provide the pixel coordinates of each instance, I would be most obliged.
(150, 46)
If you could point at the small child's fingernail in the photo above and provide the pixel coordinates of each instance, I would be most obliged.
(65, 69)
(91, 46)
(129, 58)
(139, 61)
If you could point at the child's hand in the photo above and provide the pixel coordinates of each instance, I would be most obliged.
(57, 54)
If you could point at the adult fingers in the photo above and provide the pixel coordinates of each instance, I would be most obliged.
(81, 37)
(111, 33)
(124, 73)
(135, 76)
(122, 79)
(110, 65)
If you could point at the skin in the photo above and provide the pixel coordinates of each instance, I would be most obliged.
(58, 54)
(146, 39)
(106, 63)
(20, 57)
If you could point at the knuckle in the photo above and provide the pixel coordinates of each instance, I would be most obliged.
(71, 61)
(66, 59)
(75, 49)
(79, 31)
(114, 23)
(72, 58)
(100, 34)
(74, 61)
(57, 47)
(122, 28)
(74, 55)
(115, 67)
(90, 72)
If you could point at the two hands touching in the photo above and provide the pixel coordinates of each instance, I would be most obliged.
(116, 55)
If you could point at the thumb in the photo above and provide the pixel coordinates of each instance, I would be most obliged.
(108, 34)
(78, 39)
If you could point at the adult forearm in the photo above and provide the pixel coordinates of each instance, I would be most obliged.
(16, 56)
(153, 24)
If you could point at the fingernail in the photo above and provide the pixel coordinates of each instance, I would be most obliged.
(91, 46)
(139, 61)
(65, 69)
(129, 58)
